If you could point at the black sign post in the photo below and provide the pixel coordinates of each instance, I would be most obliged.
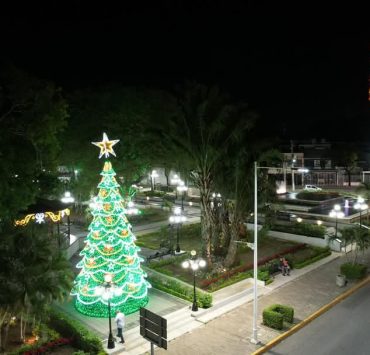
(153, 328)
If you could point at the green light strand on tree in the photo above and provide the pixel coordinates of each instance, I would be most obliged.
(110, 249)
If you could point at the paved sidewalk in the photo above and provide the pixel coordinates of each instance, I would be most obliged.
(306, 290)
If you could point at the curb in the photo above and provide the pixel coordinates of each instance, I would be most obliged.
(310, 318)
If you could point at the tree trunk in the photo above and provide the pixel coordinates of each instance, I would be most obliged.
(349, 177)
(206, 218)
(233, 246)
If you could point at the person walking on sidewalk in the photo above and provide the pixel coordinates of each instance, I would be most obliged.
(120, 321)
(285, 267)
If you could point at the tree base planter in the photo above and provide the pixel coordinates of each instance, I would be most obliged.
(341, 280)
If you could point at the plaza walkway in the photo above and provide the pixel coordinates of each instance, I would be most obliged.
(227, 326)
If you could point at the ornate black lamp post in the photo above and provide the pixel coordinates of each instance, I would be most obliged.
(177, 219)
(107, 291)
(336, 213)
(182, 188)
(194, 263)
(361, 206)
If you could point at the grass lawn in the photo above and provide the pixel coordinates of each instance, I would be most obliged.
(189, 237)
(149, 215)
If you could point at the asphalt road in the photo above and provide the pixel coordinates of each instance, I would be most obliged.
(343, 330)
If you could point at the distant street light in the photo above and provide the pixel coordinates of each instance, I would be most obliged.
(107, 291)
(303, 171)
(131, 210)
(182, 188)
(67, 198)
(360, 205)
(299, 219)
(175, 180)
(336, 213)
(319, 223)
(194, 264)
(177, 219)
(216, 200)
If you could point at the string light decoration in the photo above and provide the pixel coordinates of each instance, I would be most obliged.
(110, 249)
(40, 217)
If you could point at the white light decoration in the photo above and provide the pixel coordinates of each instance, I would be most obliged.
(40, 218)
(106, 146)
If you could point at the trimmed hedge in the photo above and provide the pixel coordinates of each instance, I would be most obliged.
(307, 262)
(317, 195)
(353, 271)
(275, 315)
(81, 337)
(306, 229)
(204, 299)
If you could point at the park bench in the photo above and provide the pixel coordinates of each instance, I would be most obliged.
(158, 254)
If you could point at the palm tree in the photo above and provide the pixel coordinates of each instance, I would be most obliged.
(206, 126)
(357, 238)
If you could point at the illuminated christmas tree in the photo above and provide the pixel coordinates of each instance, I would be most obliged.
(110, 250)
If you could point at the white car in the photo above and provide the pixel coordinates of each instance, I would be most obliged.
(312, 188)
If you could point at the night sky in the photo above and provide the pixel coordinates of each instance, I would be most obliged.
(304, 68)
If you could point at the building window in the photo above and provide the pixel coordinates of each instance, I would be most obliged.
(316, 164)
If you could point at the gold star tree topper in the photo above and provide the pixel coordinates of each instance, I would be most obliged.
(106, 146)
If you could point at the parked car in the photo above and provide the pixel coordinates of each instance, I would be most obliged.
(312, 188)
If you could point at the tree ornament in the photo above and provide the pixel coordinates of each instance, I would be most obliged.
(124, 233)
(103, 193)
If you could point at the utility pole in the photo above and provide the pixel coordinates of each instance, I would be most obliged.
(292, 165)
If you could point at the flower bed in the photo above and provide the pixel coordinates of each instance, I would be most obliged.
(249, 266)
(41, 348)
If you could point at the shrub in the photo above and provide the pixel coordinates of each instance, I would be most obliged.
(81, 337)
(184, 291)
(272, 319)
(307, 229)
(325, 252)
(317, 195)
(39, 347)
(353, 271)
(275, 315)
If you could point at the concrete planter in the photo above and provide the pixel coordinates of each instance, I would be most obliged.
(340, 280)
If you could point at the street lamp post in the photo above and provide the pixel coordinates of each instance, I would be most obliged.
(177, 218)
(254, 338)
(194, 264)
(292, 168)
(336, 213)
(255, 260)
(360, 205)
(175, 181)
(182, 188)
(303, 171)
(107, 291)
(68, 199)
(153, 175)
